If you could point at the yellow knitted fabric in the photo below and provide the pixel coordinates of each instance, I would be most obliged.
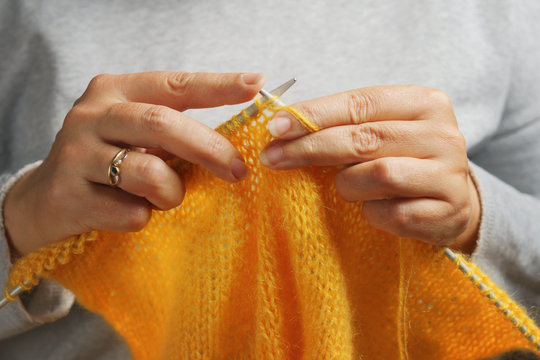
(278, 267)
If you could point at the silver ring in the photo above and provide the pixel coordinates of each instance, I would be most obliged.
(114, 167)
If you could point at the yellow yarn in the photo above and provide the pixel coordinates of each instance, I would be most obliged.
(302, 119)
(279, 267)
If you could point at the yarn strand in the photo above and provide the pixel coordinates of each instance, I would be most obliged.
(500, 299)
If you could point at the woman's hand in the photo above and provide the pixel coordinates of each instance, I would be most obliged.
(407, 159)
(68, 193)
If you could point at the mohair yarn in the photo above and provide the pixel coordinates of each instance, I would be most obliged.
(277, 267)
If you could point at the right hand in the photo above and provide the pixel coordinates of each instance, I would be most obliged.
(68, 194)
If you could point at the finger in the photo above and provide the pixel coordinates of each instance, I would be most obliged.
(430, 220)
(141, 174)
(379, 103)
(389, 178)
(358, 143)
(162, 154)
(110, 209)
(180, 90)
(154, 126)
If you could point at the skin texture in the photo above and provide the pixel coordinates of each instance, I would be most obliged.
(68, 193)
(403, 156)
(402, 152)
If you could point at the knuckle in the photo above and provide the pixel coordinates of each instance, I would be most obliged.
(451, 223)
(343, 187)
(403, 219)
(361, 106)
(76, 114)
(312, 111)
(179, 83)
(453, 137)
(442, 238)
(171, 203)
(156, 119)
(462, 217)
(97, 85)
(216, 146)
(99, 81)
(78, 101)
(138, 216)
(438, 98)
(310, 148)
(365, 141)
(116, 110)
(59, 138)
(385, 172)
(153, 171)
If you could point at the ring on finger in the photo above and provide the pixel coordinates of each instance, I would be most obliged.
(113, 172)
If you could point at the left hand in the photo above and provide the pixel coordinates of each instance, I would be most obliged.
(407, 157)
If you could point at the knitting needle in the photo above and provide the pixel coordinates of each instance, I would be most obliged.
(268, 96)
(277, 92)
(250, 111)
(16, 291)
(457, 259)
(253, 109)
(280, 90)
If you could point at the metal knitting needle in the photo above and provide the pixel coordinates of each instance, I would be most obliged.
(277, 92)
(250, 111)
(268, 96)
(280, 90)
(468, 272)
(16, 291)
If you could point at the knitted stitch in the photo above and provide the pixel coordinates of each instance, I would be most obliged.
(277, 267)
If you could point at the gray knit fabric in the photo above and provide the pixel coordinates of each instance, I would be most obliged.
(484, 54)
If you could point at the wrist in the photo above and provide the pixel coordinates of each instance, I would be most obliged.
(17, 209)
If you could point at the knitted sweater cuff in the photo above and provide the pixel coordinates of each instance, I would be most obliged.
(49, 301)
(488, 226)
(507, 246)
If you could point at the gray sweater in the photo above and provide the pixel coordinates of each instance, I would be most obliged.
(484, 54)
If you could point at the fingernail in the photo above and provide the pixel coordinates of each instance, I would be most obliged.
(252, 78)
(271, 155)
(279, 126)
(239, 169)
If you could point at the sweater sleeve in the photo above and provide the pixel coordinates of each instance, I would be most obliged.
(47, 302)
(509, 241)
(507, 171)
